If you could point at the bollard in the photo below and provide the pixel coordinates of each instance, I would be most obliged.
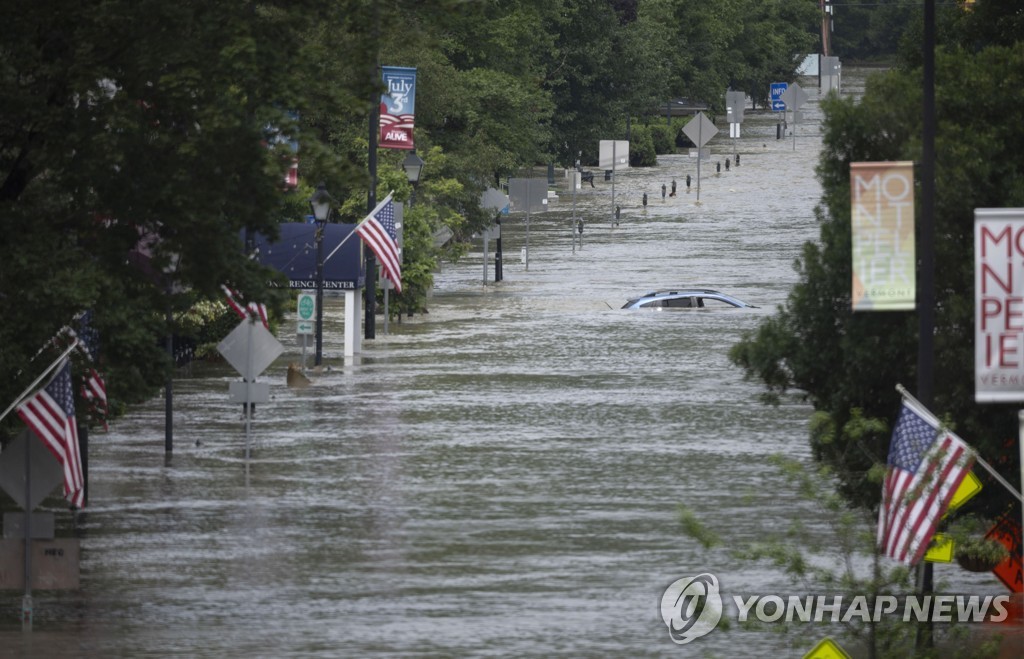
(737, 160)
(607, 174)
(778, 131)
(718, 167)
(687, 182)
(726, 164)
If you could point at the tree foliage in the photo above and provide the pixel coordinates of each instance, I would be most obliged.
(139, 141)
(846, 364)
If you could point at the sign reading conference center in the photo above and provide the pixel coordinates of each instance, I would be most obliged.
(998, 305)
(882, 223)
(397, 107)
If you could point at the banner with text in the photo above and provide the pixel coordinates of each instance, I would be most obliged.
(882, 224)
(397, 107)
(998, 305)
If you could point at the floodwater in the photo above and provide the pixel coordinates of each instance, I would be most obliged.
(501, 476)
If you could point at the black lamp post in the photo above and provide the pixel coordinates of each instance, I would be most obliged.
(320, 204)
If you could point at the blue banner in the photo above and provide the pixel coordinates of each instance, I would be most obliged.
(397, 108)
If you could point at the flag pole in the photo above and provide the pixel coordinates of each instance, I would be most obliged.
(32, 386)
(345, 239)
(977, 458)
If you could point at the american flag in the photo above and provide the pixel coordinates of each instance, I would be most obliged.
(378, 231)
(926, 465)
(94, 389)
(257, 309)
(87, 335)
(50, 413)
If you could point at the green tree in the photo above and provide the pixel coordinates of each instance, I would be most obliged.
(847, 364)
(138, 138)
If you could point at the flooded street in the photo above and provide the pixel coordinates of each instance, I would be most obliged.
(500, 476)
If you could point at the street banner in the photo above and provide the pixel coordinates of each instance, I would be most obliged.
(397, 108)
(998, 305)
(882, 225)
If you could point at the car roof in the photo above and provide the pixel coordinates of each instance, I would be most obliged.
(682, 291)
(686, 292)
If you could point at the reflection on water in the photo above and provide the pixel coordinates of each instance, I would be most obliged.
(499, 476)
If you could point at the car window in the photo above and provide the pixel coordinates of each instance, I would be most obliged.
(679, 302)
(712, 303)
(652, 304)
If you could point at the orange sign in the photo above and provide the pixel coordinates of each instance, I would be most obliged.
(1011, 571)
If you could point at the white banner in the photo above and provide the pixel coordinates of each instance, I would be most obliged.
(998, 305)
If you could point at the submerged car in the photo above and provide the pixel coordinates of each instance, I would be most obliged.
(686, 298)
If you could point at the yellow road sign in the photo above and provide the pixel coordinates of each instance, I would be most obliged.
(941, 551)
(969, 486)
(827, 649)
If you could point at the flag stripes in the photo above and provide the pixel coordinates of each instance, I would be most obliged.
(926, 465)
(50, 414)
(378, 231)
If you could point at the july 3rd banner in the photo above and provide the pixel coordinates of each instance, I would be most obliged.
(397, 107)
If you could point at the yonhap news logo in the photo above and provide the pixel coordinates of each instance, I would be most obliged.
(692, 607)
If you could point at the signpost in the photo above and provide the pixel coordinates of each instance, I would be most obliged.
(306, 313)
(777, 90)
(734, 102)
(528, 194)
(794, 98)
(612, 155)
(700, 130)
(29, 554)
(496, 201)
(250, 348)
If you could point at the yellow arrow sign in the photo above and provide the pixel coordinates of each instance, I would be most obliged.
(969, 486)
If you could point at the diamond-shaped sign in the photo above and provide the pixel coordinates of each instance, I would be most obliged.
(493, 199)
(249, 337)
(794, 97)
(700, 130)
(46, 471)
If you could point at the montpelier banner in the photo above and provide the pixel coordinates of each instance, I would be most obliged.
(882, 223)
(397, 108)
(998, 305)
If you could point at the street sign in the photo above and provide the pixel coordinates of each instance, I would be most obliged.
(495, 200)
(827, 649)
(613, 154)
(55, 564)
(777, 90)
(528, 195)
(237, 392)
(306, 311)
(700, 130)
(237, 346)
(794, 97)
(46, 474)
(734, 102)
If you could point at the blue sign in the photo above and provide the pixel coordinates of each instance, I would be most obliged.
(294, 255)
(778, 89)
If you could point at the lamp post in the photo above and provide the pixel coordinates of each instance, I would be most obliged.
(413, 165)
(320, 204)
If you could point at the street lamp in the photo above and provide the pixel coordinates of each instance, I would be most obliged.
(320, 204)
(413, 165)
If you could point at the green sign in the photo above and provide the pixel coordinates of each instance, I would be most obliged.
(306, 310)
